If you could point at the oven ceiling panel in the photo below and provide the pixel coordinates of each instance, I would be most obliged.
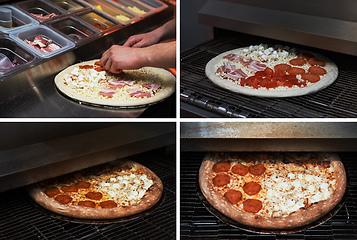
(268, 136)
(329, 25)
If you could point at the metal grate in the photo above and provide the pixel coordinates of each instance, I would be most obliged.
(198, 223)
(337, 100)
(20, 220)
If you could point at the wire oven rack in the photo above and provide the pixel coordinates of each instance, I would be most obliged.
(199, 93)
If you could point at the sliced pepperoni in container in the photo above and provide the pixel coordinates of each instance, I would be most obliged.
(221, 167)
(233, 196)
(108, 204)
(240, 169)
(221, 179)
(252, 188)
(257, 169)
(252, 205)
(64, 199)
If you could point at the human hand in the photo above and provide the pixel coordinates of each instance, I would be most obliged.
(118, 58)
(142, 40)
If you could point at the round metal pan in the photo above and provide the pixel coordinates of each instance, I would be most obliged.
(235, 224)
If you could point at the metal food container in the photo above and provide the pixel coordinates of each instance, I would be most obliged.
(15, 52)
(99, 20)
(19, 20)
(74, 29)
(153, 3)
(70, 5)
(135, 7)
(31, 33)
(39, 7)
(114, 10)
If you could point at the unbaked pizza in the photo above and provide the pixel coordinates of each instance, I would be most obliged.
(89, 82)
(119, 189)
(273, 190)
(271, 71)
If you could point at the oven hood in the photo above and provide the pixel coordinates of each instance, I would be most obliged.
(268, 136)
(330, 25)
(50, 152)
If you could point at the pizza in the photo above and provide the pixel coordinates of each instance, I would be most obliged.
(276, 191)
(120, 189)
(271, 71)
(89, 82)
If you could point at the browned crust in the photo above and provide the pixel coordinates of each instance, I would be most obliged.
(296, 219)
(149, 200)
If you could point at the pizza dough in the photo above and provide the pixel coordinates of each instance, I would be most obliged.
(147, 75)
(248, 211)
(326, 80)
(99, 179)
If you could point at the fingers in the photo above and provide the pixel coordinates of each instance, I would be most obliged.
(132, 41)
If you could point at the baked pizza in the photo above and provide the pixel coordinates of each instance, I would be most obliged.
(119, 189)
(89, 82)
(271, 71)
(276, 191)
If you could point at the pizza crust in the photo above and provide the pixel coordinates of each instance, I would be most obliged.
(152, 196)
(325, 81)
(299, 218)
(168, 85)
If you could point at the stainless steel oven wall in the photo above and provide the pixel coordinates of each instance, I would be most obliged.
(330, 25)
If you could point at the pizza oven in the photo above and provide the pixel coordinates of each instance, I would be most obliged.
(199, 220)
(323, 27)
(84, 30)
(31, 152)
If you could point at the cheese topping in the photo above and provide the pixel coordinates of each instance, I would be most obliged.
(141, 83)
(268, 55)
(285, 187)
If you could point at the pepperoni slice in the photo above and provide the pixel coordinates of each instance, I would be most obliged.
(85, 67)
(296, 71)
(310, 77)
(108, 204)
(82, 184)
(233, 196)
(240, 169)
(221, 167)
(282, 67)
(325, 164)
(252, 188)
(313, 61)
(221, 179)
(52, 191)
(306, 55)
(97, 63)
(69, 189)
(64, 199)
(297, 62)
(317, 70)
(252, 205)
(94, 195)
(86, 203)
(256, 169)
